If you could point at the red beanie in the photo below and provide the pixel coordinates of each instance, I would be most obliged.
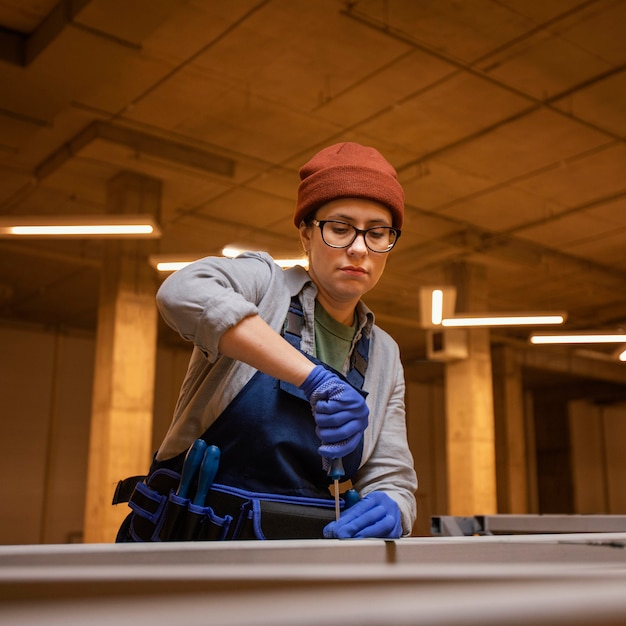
(349, 170)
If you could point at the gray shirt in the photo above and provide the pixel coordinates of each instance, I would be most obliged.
(206, 298)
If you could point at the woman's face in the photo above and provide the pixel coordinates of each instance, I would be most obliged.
(343, 275)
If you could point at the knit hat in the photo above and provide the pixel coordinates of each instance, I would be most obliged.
(349, 170)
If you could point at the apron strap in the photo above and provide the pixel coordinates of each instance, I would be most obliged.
(292, 332)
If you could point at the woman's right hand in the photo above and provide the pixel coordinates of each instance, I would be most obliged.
(340, 412)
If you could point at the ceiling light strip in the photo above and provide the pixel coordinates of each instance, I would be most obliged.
(437, 306)
(579, 338)
(82, 229)
(106, 225)
(173, 263)
(503, 320)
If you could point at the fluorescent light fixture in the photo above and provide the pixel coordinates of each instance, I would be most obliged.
(79, 226)
(579, 338)
(517, 319)
(171, 266)
(622, 355)
(231, 252)
(437, 306)
(173, 263)
(436, 303)
(286, 263)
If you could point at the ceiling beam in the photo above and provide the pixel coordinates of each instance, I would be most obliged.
(12, 46)
(472, 240)
(141, 142)
(22, 49)
(566, 361)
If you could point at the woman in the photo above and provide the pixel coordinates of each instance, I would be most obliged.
(289, 371)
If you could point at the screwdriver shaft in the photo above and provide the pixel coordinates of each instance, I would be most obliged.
(336, 472)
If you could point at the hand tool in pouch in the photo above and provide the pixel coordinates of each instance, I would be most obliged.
(336, 472)
(197, 510)
(208, 469)
(178, 502)
(190, 467)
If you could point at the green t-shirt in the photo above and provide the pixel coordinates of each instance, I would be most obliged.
(332, 338)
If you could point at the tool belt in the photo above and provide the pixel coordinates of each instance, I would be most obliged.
(158, 514)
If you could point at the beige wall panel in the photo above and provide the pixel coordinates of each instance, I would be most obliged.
(599, 457)
(26, 366)
(588, 459)
(510, 432)
(45, 386)
(426, 435)
(171, 367)
(615, 437)
(68, 440)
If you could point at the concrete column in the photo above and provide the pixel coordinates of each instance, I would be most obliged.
(126, 342)
(470, 439)
(511, 456)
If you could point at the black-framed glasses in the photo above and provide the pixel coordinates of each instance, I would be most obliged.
(338, 234)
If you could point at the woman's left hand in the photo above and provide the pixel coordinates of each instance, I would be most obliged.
(376, 515)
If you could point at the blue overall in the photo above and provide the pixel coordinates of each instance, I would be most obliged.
(270, 482)
(267, 436)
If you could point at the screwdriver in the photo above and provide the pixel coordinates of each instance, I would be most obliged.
(351, 497)
(336, 472)
(190, 466)
(208, 469)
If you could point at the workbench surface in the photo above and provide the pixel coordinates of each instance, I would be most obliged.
(519, 579)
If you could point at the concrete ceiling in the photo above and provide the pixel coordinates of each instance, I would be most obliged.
(504, 118)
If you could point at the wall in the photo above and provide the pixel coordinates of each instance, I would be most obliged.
(45, 386)
(426, 435)
(598, 436)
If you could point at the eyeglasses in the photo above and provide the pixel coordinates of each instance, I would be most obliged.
(341, 235)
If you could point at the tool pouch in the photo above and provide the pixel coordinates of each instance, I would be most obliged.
(158, 514)
(173, 514)
(270, 516)
(281, 520)
(202, 524)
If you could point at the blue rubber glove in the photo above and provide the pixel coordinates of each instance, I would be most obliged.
(376, 515)
(340, 412)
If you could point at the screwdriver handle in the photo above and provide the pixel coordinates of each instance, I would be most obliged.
(335, 469)
(351, 497)
(190, 466)
(208, 469)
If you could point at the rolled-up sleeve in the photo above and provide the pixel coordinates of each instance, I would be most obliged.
(206, 298)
